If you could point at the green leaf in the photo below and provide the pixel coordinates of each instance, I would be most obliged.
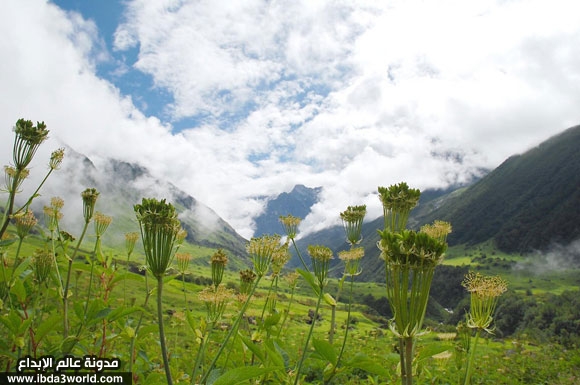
(253, 348)
(241, 374)
(7, 242)
(19, 290)
(430, 350)
(21, 267)
(325, 350)
(309, 277)
(272, 320)
(68, 344)
(146, 330)
(364, 362)
(274, 354)
(46, 326)
(121, 312)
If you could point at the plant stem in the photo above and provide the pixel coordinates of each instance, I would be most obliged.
(162, 331)
(299, 368)
(287, 312)
(200, 354)
(233, 328)
(471, 359)
(348, 319)
(300, 256)
(408, 380)
(65, 291)
(132, 345)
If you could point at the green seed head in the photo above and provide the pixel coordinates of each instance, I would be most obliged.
(89, 196)
(290, 224)
(352, 220)
(159, 229)
(261, 250)
(24, 223)
(398, 200)
(218, 262)
(27, 140)
(320, 256)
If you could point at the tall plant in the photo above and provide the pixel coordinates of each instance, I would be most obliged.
(159, 232)
(484, 292)
(410, 260)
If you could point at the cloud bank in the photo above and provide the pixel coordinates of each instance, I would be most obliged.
(258, 96)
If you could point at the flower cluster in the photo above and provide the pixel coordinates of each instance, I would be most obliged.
(130, 240)
(24, 223)
(159, 228)
(410, 248)
(261, 250)
(279, 258)
(53, 214)
(183, 260)
(352, 220)
(485, 292)
(27, 140)
(216, 300)
(89, 196)
(398, 200)
(290, 224)
(321, 256)
(102, 222)
(218, 262)
(351, 260)
(438, 230)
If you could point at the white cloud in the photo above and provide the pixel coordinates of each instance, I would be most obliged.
(345, 95)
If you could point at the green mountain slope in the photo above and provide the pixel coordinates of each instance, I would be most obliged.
(529, 202)
(121, 186)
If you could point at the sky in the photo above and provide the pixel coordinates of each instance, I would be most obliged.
(237, 101)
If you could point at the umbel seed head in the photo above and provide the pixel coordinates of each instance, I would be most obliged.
(27, 140)
(352, 220)
(159, 229)
(290, 224)
(89, 196)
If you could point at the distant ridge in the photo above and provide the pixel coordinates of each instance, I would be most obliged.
(530, 202)
(296, 202)
(122, 185)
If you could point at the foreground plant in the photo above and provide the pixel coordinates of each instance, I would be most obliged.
(261, 251)
(321, 256)
(159, 232)
(485, 292)
(410, 260)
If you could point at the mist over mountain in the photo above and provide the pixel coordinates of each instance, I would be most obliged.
(122, 185)
(530, 204)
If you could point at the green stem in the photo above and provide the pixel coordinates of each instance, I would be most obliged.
(300, 256)
(409, 361)
(287, 312)
(231, 332)
(162, 331)
(200, 354)
(10, 204)
(469, 370)
(299, 368)
(348, 319)
(134, 338)
(65, 292)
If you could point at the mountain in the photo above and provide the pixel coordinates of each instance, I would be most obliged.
(122, 185)
(531, 202)
(296, 202)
